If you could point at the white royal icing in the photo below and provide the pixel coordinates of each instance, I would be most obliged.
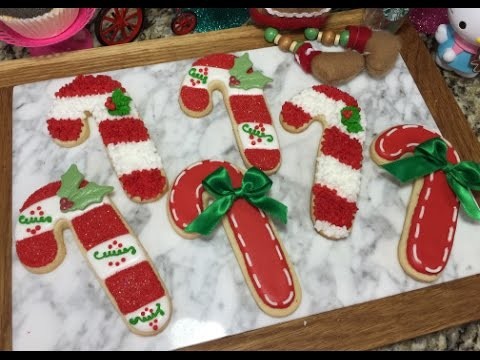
(105, 266)
(263, 143)
(144, 326)
(128, 157)
(330, 230)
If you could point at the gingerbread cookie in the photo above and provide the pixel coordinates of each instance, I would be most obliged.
(429, 228)
(108, 244)
(242, 90)
(132, 153)
(339, 160)
(256, 244)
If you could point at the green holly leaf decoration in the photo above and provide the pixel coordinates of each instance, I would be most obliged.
(243, 77)
(70, 182)
(72, 197)
(351, 119)
(122, 103)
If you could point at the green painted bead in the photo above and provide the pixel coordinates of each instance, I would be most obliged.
(270, 34)
(311, 33)
(344, 36)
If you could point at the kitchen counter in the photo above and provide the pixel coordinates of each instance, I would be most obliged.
(465, 91)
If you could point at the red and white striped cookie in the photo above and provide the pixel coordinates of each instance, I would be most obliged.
(252, 124)
(131, 151)
(429, 229)
(340, 154)
(254, 240)
(110, 247)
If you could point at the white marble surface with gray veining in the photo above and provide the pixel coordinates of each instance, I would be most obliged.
(68, 309)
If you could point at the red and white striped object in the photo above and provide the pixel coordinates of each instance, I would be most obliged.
(429, 228)
(132, 153)
(257, 247)
(113, 251)
(340, 154)
(252, 124)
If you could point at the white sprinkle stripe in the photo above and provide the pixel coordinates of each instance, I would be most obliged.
(382, 140)
(391, 132)
(410, 126)
(427, 195)
(184, 225)
(417, 230)
(270, 231)
(450, 233)
(234, 221)
(256, 281)
(174, 213)
(445, 255)
(249, 261)
(287, 275)
(179, 177)
(433, 271)
(279, 253)
(197, 191)
(267, 299)
(422, 211)
(415, 256)
(413, 145)
(128, 157)
(290, 297)
(171, 195)
(194, 165)
(199, 209)
(241, 240)
(455, 213)
(456, 155)
(431, 177)
(397, 153)
(262, 213)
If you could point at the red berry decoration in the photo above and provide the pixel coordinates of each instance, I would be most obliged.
(347, 114)
(249, 71)
(109, 104)
(65, 204)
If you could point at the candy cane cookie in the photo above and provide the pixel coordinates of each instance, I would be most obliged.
(339, 159)
(110, 247)
(254, 240)
(429, 228)
(242, 90)
(132, 153)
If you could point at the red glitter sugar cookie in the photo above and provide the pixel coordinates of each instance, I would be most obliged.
(240, 203)
(339, 160)
(108, 244)
(132, 153)
(429, 228)
(242, 89)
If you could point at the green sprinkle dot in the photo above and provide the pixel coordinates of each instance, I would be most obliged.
(270, 34)
(311, 33)
(344, 36)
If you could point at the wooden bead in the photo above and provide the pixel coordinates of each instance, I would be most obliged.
(328, 37)
(285, 42)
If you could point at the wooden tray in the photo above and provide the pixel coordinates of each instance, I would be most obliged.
(364, 326)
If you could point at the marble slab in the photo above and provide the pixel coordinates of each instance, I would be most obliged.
(67, 308)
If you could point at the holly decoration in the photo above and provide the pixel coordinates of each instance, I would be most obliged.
(72, 197)
(118, 103)
(244, 77)
(351, 119)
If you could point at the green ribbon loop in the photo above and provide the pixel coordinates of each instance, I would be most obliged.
(255, 185)
(431, 156)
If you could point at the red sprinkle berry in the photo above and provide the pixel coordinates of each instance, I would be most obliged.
(142, 313)
(259, 140)
(123, 259)
(32, 212)
(37, 227)
(120, 245)
(110, 263)
(33, 232)
(347, 114)
(41, 213)
(114, 242)
(155, 327)
(249, 71)
(65, 204)
(39, 208)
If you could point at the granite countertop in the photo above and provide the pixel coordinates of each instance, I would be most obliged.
(465, 91)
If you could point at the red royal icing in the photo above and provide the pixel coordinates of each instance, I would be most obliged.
(432, 230)
(84, 85)
(194, 99)
(41, 194)
(336, 94)
(135, 287)
(145, 184)
(221, 61)
(249, 108)
(65, 129)
(123, 130)
(330, 207)
(260, 248)
(342, 147)
(293, 115)
(98, 225)
(37, 251)
(265, 160)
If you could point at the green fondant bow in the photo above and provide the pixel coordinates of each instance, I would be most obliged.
(431, 156)
(255, 185)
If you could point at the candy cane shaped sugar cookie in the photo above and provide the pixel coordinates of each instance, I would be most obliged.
(132, 153)
(339, 160)
(431, 219)
(254, 240)
(242, 90)
(111, 248)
